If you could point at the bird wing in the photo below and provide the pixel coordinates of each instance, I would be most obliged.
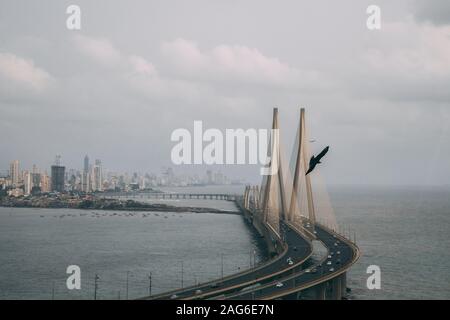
(322, 153)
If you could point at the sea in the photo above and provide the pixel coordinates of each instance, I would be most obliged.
(405, 231)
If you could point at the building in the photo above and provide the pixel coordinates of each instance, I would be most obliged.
(27, 182)
(45, 182)
(86, 164)
(58, 175)
(96, 176)
(14, 173)
(85, 175)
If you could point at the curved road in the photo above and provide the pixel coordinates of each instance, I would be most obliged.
(298, 250)
(340, 256)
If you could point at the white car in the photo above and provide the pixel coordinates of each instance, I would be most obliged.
(338, 252)
(279, 284)
(329, 256)
(328, 263)
(174, 296)
(198, 291)
(331, 269)
(307, 270)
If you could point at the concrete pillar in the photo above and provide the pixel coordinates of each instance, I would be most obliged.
(321, 291)
(343, 284)
(336, 290)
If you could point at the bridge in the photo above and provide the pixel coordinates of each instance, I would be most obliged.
(290, 219)
(172, 195)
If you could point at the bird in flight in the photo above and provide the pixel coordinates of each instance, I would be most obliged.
(316, 160)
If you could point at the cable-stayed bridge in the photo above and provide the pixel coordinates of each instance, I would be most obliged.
(290, 215)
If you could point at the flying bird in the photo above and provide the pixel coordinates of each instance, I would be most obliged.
(316, 160)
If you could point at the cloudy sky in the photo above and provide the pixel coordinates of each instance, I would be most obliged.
(137, 70)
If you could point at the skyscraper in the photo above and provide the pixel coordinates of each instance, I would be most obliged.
(45, 182)
(14, 172)
(28, 182)
(58, 174)
(85, 176)
(86, 164)
(97, 176)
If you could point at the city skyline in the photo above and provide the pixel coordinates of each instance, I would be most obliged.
(92, 177)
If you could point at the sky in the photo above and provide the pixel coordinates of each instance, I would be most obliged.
(138, 70)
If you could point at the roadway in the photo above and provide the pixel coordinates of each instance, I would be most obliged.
(339, 257)
(298, 250)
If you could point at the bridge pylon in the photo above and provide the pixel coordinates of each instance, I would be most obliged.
(273, 200)
(301, 189)
(251, 199)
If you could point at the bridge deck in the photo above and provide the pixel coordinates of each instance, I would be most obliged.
(263, 282)
(299, 250)
(302, 280)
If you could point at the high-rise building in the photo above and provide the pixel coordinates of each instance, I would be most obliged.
(28, 183)
(86, 182)
(45, 182)
(58, 175)
(14, 172)
(85, 175)
(86, 164)
(96, 176)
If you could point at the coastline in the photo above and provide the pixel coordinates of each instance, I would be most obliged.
(103, 204)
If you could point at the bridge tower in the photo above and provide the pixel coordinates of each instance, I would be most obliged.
(273, 202)
(256, 196)
(246, 197)
(300, 178)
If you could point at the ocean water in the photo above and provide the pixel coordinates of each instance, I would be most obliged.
(37, 246)
(403, 230)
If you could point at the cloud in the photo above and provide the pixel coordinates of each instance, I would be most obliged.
(407, 61)
(232, 63)
(18, 73)
(141, 65)
(190, 75)
(435, 11)
(135, 75)
(100, 50)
